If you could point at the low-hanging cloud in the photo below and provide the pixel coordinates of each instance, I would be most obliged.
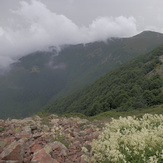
(34, 27)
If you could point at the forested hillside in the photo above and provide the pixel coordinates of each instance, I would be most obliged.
(42, 77)
(136, 84)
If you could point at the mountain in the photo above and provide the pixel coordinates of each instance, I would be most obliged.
(41, 78)
(135, 84)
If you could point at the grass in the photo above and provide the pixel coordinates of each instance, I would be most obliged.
(43, 114)
(2, 129)
(80, 115)
(158, 109)
(105, 116)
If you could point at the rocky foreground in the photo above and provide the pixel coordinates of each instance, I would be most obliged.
(46, 140)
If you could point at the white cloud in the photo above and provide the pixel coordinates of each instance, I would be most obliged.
(1, 31)
(36, 27)
(105, 27)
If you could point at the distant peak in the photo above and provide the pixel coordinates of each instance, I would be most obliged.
(149, 34)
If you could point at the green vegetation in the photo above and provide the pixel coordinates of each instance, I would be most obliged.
(107, 116)
(45, 121)
(42, 77)
(158, 109)
(42, 114)
(63, 139)
(127, 87)
(129, 139)
(59, 135)
(1, 129)
(80, 115)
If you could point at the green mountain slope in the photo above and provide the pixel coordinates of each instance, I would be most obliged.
(136, 84)
(42, 77)
(89, 62)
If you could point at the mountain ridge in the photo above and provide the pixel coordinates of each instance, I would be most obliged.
(128, 86)
(43, 77)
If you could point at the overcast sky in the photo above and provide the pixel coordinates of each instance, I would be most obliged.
(30, 25)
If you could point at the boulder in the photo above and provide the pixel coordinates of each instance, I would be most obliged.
(37, 118)
(57, 145)
(52, 116)
(36, 147)
(3, 143)
(2, 123)
(54, 121)
(15, 151)
(43, 155)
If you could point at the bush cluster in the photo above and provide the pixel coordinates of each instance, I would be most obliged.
(128, 140)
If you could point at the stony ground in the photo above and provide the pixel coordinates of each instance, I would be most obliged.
(46, 140)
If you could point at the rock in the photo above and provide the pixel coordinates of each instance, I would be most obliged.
(96, 134)
(52, 116)
(81, 121)
(88, 130)
(2, 123)
(8, 140)
(58, 149)
(42, 157)
(27, 160)
(83, 133)
(77, 143)
(10, 132)
(75, 134)
(37, 118)
(74, 158)
(36, 147)
(7, 122)
(14, 121)
(65, 121)
(3, 143)
(54, 121)
(33, 129)
(14, 151)
(26, 133)
(28, 119)
(9, 161)
(58, 145)
(68, 131)
(26, 130)
(37, 135)
(41, 145)
(63, 153)
(45, 128)
(82, 160)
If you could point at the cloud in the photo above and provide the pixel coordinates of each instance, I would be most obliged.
(34, 27)
(105, 27)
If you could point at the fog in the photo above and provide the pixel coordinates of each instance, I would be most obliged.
(33, 26)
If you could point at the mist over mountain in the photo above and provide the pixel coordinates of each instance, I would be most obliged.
(132, 85)
(32, 26)
(42, 77)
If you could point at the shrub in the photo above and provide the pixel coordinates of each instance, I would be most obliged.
(129, 139)
(1, 129)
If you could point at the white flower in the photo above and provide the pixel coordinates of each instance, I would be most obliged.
(130, 137)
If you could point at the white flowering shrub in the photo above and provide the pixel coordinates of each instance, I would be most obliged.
(129, 140)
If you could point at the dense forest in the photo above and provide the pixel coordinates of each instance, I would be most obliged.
(136, 84)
